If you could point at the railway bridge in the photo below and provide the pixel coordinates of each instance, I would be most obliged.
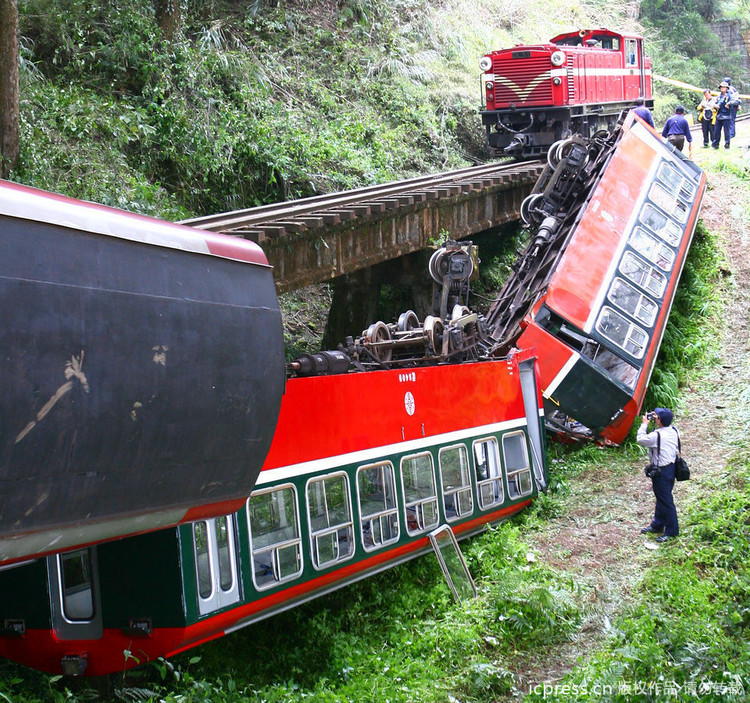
(320, 238)
(362, 238)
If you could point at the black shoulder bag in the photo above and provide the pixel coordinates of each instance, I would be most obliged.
(681, 470)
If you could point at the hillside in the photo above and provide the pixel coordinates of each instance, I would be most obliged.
(265, 101)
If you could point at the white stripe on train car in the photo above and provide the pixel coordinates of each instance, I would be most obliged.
(364, 456)
(25, 203)
(561, 374)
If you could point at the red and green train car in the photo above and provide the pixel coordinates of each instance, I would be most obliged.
(362, 468)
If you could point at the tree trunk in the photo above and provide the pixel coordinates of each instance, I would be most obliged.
(9, 138)
(168, 16)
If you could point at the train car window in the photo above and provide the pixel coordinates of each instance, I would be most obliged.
(631, 52)
(633, 302)
(611, 363)
(376, 488)
(215, 563)
(330, 516)
(202, 561)
(223, 542)
(455, 481)
(517, 467)
(669, 202)
(275, 541)
(618, 329)
(676, 182)
(652, 249)
(488, 472)
(76, 586)
(643, 275)
(420, 493)
(660, 225)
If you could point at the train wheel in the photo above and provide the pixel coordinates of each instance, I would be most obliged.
(407, 321)
(527, 207)
(433, 332)
(435, 268)
(553, 157)
(379, 332)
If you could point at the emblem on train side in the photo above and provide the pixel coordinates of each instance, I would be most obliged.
(409, 403)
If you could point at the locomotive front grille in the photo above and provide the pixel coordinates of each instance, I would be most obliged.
(523, 81)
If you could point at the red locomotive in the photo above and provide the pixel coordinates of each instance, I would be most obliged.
(578, 83)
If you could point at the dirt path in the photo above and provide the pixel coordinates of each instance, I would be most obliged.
(597, 540)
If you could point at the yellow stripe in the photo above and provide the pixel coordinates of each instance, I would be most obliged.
(687, 86)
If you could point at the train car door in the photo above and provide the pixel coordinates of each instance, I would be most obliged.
(216, 573)
(529, 391)
(74, 593)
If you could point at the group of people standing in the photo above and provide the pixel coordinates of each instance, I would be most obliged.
(716, 114)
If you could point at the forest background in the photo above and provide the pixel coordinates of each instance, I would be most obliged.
(221, 105)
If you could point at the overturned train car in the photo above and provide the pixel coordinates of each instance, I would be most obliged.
(413, 427)
(142, 370)
(612, 219)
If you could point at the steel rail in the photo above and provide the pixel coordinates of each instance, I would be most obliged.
(260, 215)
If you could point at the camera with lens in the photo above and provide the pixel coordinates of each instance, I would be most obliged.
(651, 416)
(652, 471)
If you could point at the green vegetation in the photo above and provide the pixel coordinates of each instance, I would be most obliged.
(261, 101)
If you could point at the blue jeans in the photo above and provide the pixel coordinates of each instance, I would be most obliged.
(665, 514)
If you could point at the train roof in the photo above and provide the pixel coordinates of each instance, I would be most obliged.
(579, 37)
(26, 203)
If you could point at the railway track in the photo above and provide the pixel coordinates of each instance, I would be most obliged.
(276, 220)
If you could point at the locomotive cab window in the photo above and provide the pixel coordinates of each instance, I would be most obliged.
(376, 488)
(275, 541)
(517, 466)
(456, 482)
(420, 493)
(631, 52)
(215, 553)
(330, 517)
(488, 472)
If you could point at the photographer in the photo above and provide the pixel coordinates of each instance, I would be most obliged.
(663, 447)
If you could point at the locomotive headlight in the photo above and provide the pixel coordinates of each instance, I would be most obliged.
(558, 58)
(485, 63)
(489, 85)
(557, 80)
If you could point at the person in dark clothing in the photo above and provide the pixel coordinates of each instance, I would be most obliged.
(707, 116)
(677, 130)
(734, 103)
(723, 117)
(663, 444)
(643, 112)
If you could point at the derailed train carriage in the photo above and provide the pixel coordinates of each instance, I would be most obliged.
(142, 370)
(409, 428)
(612, 219)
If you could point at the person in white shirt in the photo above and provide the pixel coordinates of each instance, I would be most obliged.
(662, 445)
